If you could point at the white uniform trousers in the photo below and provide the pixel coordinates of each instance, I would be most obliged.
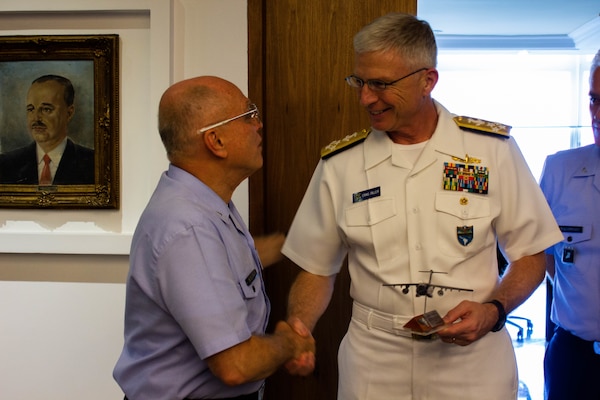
(379, 365)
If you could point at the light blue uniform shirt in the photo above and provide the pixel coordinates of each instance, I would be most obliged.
(194, 289)
(571, 183)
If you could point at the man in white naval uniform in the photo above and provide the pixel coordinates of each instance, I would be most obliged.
(422, 190)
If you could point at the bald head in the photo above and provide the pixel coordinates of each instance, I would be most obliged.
(211, 130)
(188, 105)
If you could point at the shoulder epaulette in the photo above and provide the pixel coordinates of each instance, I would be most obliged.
(337, 146)
(481, 126)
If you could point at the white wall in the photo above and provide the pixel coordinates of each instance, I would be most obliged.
(62, 273)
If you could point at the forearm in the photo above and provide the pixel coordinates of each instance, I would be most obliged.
(260, 356)
(309, 297)
(520, 280)
(269, 248)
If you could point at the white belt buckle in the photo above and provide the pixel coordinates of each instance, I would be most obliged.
(397, 325)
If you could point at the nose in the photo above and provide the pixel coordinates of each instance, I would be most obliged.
(36, 113)
(258, 120)
(367, 96)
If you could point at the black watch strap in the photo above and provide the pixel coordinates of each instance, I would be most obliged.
(501, 315)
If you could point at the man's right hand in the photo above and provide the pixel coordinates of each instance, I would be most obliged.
(303, 363)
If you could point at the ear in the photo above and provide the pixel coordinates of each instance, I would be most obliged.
(431, 78)
(70, 112)
(214, 143)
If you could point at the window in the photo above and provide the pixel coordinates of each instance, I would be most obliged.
(544, 97)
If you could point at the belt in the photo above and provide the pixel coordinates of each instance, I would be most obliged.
(561, 331)
(390, 323)
(251, 396)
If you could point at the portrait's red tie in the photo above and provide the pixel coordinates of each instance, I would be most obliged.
(46, 178)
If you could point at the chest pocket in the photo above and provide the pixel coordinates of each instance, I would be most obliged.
(575, 233)
(250, 285)
(370, 212)
(458, 210)
(462, 205)
(373, 227)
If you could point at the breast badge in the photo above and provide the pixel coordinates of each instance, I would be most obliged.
(466, 178)
(464, 234)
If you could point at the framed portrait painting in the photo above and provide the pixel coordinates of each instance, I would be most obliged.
(59, 121)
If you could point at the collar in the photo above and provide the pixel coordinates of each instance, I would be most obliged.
(55, 154)
(204, 194)
(446, 139)
(589, 166)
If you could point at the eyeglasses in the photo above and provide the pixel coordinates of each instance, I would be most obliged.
(252, 113)
(376, 84)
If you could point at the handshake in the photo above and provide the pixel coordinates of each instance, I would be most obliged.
(300, 344)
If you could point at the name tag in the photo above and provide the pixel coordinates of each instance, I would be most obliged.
(251, 277)
(571, 229)
(366, 194)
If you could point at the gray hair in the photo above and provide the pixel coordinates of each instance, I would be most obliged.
(412, 38)
(175, 120)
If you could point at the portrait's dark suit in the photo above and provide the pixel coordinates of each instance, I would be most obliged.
(76, 166)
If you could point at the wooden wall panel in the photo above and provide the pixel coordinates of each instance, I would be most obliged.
(299, 53)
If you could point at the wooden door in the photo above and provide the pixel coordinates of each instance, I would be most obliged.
(299, 53)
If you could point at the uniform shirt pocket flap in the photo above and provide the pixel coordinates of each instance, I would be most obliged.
(370, 212)
(250, 285)
(462, 205)
(575, 233)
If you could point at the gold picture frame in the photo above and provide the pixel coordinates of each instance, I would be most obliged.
(91, 63)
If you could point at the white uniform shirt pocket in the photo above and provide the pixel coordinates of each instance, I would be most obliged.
(370, 212)
(464, 223)
(373, 227)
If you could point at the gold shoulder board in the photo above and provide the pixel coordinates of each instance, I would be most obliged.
(337, 146)
(481, 126)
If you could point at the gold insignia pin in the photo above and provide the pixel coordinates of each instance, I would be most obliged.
(466, 160)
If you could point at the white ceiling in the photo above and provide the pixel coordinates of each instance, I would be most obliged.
(533, 24)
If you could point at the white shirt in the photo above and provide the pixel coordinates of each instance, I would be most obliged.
(407, 223)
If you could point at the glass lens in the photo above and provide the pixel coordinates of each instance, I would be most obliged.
(375, 84)
(354, 81)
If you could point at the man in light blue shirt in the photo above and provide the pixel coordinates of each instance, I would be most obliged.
(571, 184)
(196, 308)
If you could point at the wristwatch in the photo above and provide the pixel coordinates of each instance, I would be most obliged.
(501, 315)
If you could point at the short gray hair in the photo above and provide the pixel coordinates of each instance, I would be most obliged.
(175, 119)
(412, 38)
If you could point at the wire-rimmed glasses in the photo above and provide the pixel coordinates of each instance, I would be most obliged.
(376, 84)
(252, 112)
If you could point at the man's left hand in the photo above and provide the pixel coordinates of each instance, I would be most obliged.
(468, 321)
